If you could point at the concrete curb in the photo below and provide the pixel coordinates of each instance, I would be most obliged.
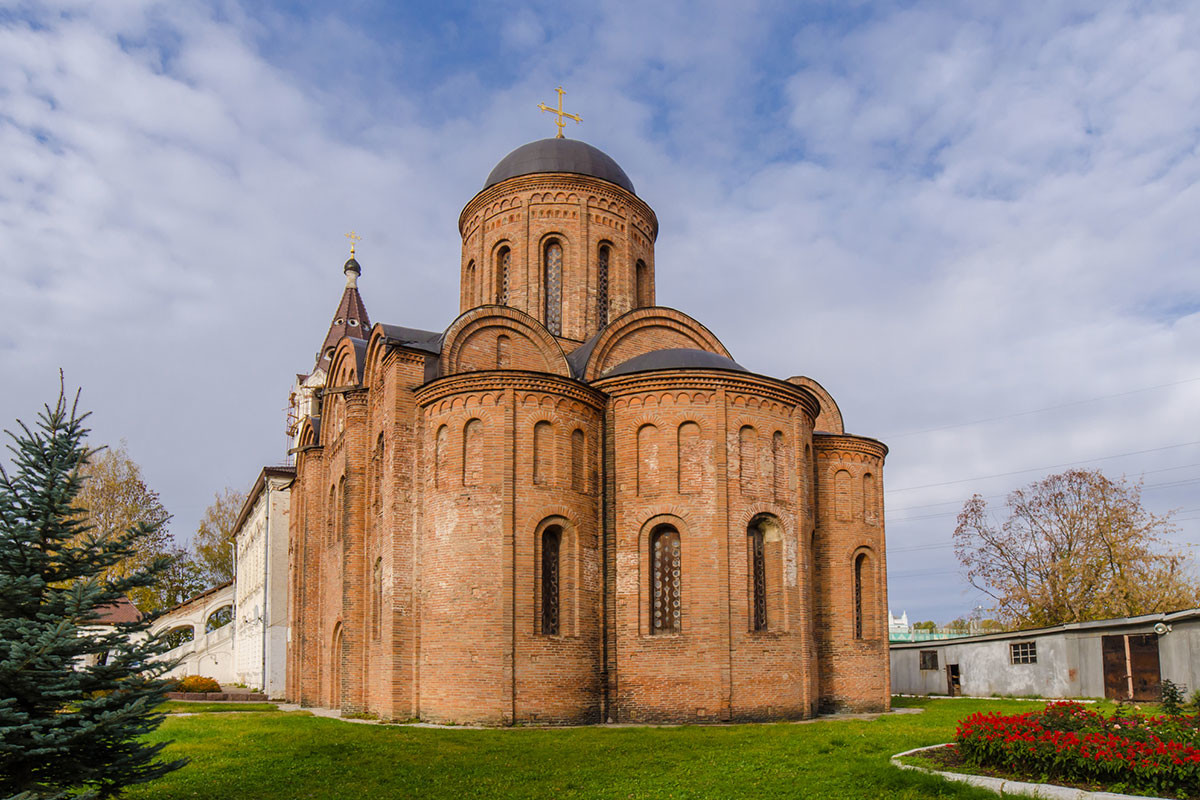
(1014, 788)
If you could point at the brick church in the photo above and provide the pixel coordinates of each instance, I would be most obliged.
(573, 505)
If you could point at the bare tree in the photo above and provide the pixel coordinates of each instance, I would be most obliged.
(1076, 546)
(214, 534)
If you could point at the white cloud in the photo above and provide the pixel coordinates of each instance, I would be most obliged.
(941, 215)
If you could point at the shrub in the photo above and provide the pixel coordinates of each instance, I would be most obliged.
(197, 683)
(1068, 742)
(1194, 701)
(1171, 698)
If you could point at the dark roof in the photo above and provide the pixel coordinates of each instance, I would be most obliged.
(580, 355)
(196, 597)
(122, 610)
(675, 358)
(414, 338)
(559, 155)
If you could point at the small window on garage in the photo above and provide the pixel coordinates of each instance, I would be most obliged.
(1023, 652)
(929, 659)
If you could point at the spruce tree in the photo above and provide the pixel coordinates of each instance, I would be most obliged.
(75, 699)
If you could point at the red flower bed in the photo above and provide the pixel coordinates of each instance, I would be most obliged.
(1069, 743)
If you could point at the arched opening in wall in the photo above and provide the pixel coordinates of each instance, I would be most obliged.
(179, 636)
(377, 477)
(748, 459)
(666, 581)
(866, 590)
(578, 461)
(647, 464)
(331, 517)
(550, 579)
(503, 267)
(376, 597)
(842, 491)
(343, 510)
(641, 278)
(472, 460)
(602, 258)
(503, 351)
(810, 485)
(218, 619)
(691, 458)
(441, 452)
(552, 281)
(870, 499)
(767, 605)
(335, 668)
(779, 467)
(470, 287)
(543, 452)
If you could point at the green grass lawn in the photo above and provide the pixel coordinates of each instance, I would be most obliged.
(281, 755)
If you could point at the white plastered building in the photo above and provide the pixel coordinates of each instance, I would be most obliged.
(260, 583)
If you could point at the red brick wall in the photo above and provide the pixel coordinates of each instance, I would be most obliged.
(853, 667)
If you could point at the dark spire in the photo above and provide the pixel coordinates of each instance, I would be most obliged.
(351, 317)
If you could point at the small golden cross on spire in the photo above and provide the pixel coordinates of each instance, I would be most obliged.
(354, 238)
(559, 113)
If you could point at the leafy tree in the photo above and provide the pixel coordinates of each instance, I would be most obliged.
(114, 499)
(214, 534)
(75, 699)
(1076, 546)
(180, 581)
(927, 625)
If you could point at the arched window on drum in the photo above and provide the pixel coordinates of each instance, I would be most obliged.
(553, 276)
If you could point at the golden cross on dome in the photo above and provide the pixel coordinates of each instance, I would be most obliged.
(354, 238)
(559, 113)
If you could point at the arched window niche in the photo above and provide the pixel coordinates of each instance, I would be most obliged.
(552, 265)
(502, 272)
(376, 597)
(641, 283)
(866, 587)
(556, 580)
(665, 587)
(766, 599)
(472, 448)
(543, 452)
(603, 256)
(551, 562)
(470, 287)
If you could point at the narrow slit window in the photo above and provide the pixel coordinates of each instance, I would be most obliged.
(551, 549)
(666, 611)
(503, 262)
(758, 578)
(553, 287)
(859, 564)
(602, 286)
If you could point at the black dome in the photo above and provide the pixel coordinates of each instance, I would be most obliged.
(559, 155)
(674, 358)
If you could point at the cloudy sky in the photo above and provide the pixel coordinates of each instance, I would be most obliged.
(977, 224)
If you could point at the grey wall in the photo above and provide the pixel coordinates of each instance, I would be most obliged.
(1069, 663)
